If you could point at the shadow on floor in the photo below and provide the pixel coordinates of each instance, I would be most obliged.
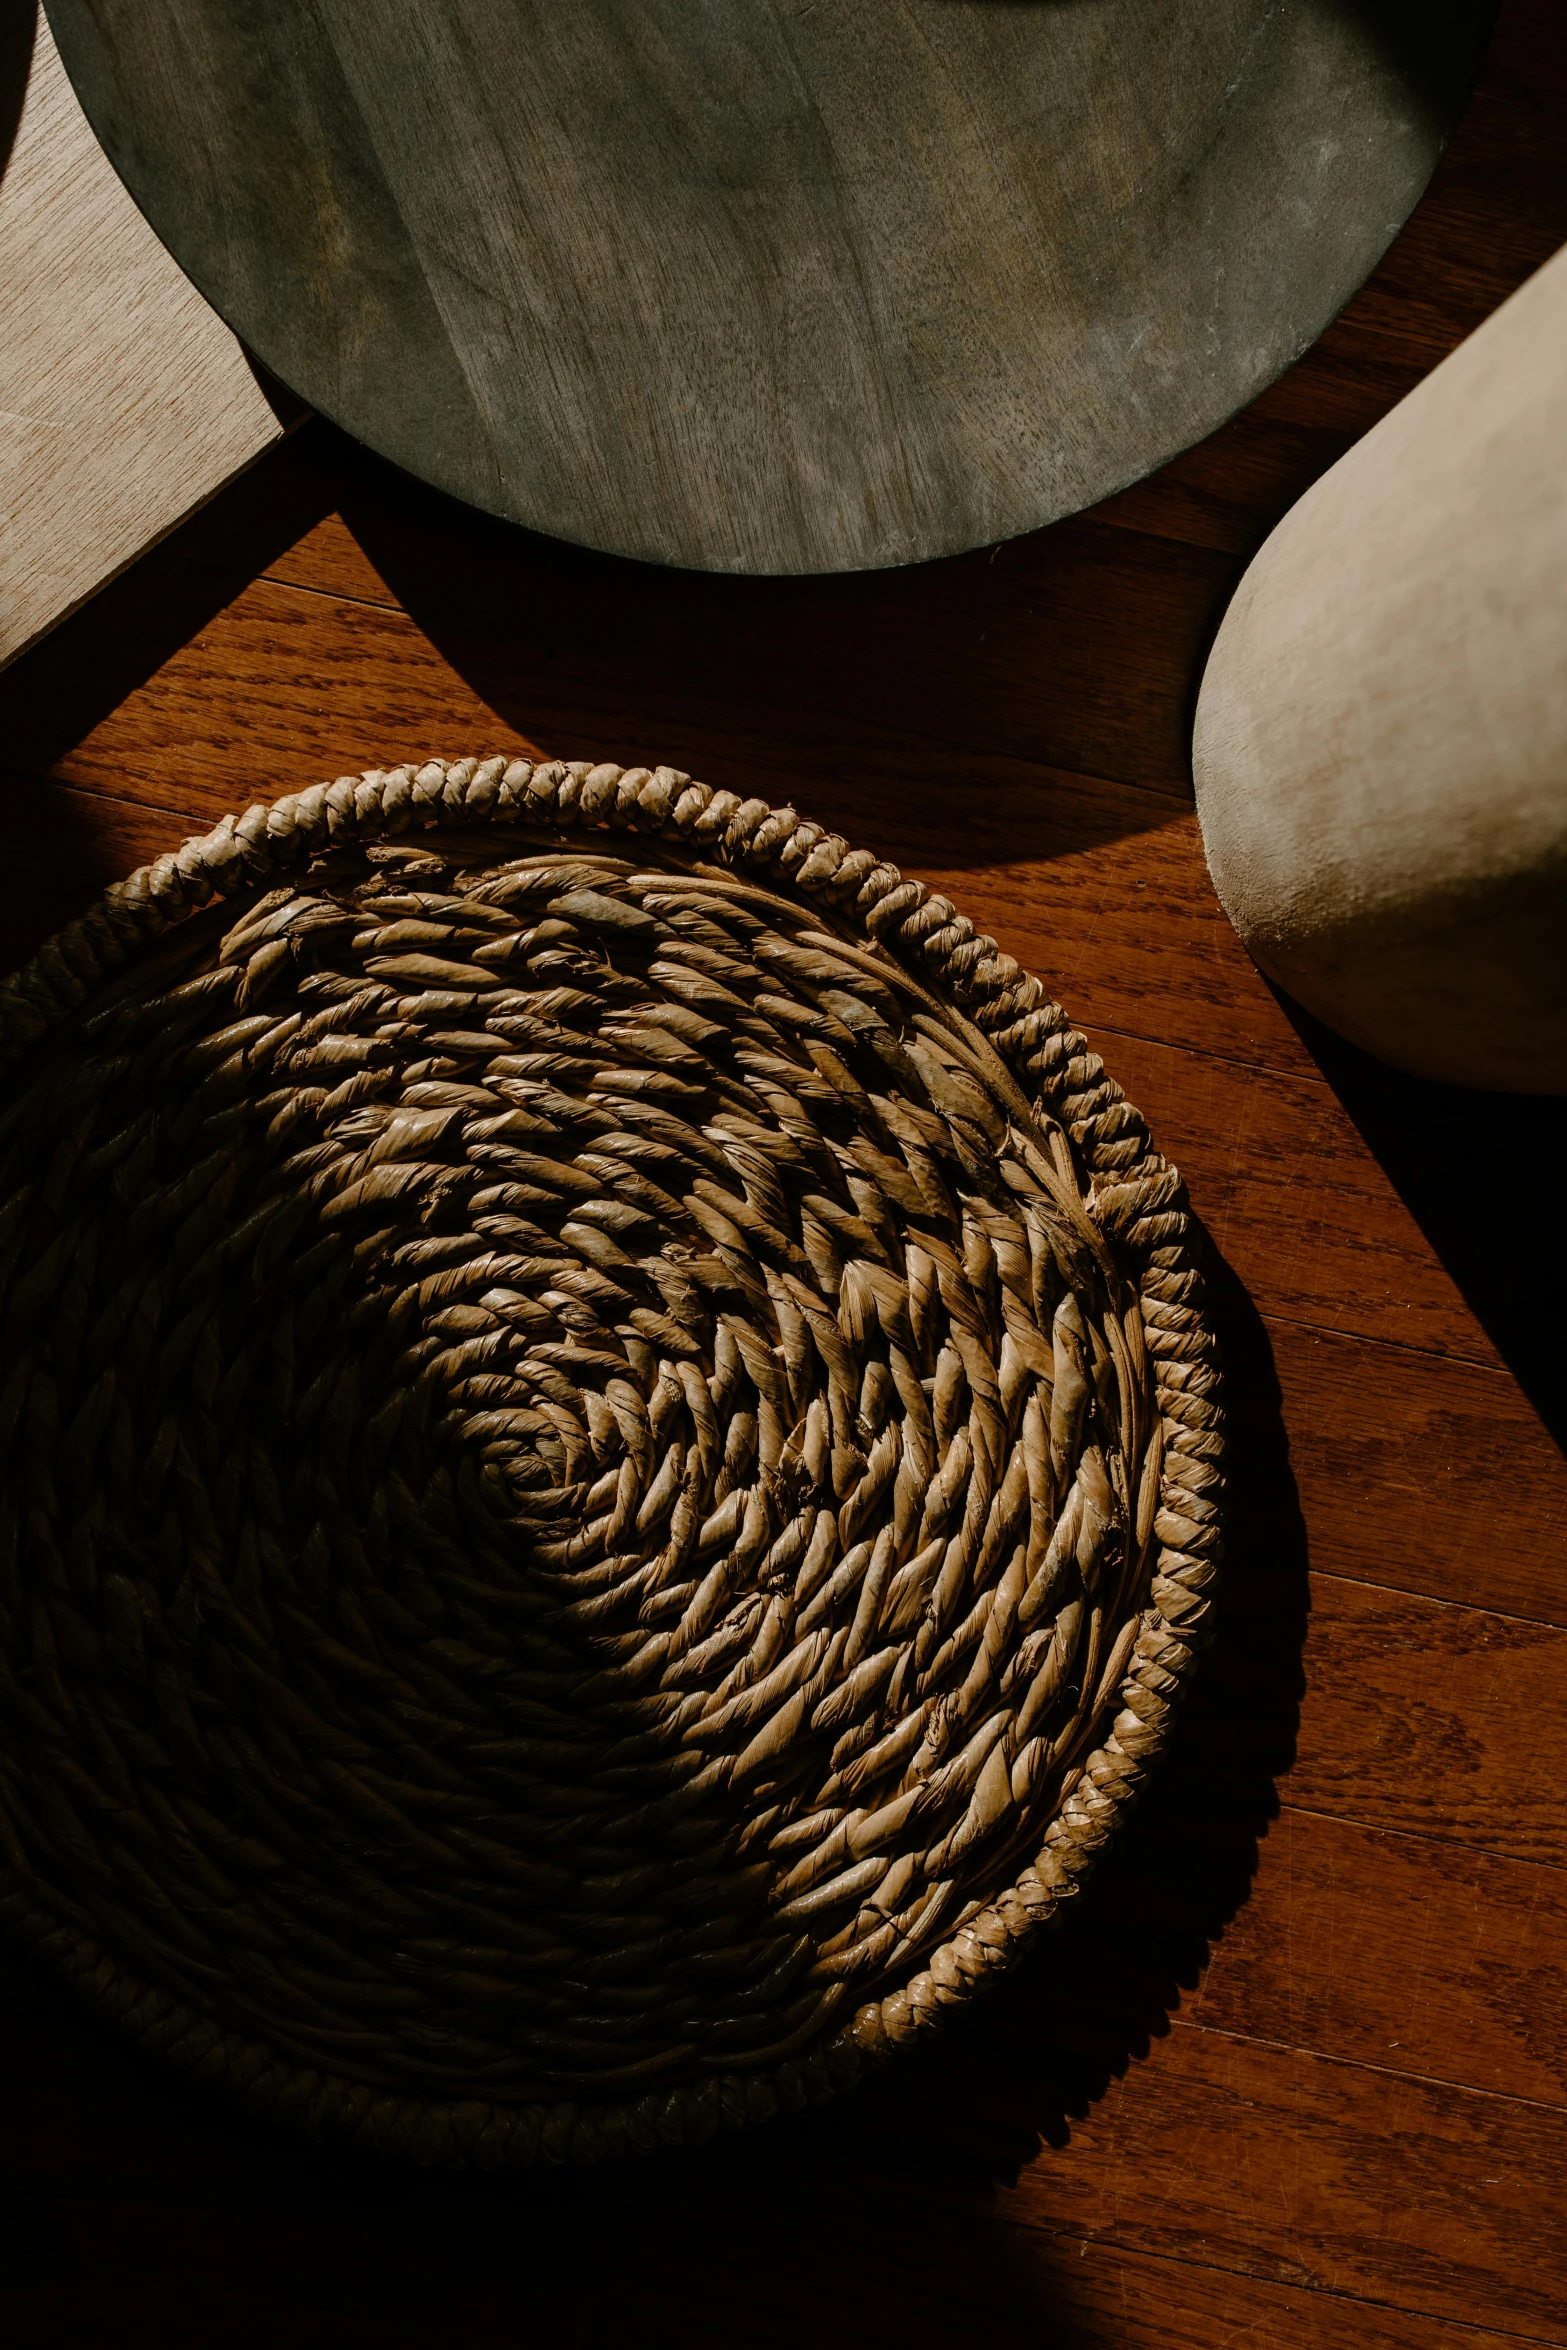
(872, 2219)
(1481, 1173)
(1071, 648)
(1022, 702)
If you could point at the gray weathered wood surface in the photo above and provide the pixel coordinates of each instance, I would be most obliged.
(805, 286)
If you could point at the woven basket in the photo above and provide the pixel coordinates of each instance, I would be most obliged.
(610, 1458)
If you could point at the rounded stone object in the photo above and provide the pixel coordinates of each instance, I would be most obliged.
(768, 289)
(611, 1459)
(1381, 739)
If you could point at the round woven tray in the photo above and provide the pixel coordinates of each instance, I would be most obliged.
(611, 1458)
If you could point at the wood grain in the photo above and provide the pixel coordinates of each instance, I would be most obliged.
(1301, 2170)
(1100, 2295)
(383, 2268)
(1440, 1720)
(1185, 2123)
(1424, 1474)
(1293, 1200)
(124, 401)
(1456, 1972)
(375, 2260)
(794, 682)
(799, 291)
(1263, 1930)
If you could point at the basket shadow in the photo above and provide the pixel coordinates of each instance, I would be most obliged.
(151, 2213)
(62, 852)
(875, 2215)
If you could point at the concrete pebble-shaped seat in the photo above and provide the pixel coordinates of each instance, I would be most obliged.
(1381, 742)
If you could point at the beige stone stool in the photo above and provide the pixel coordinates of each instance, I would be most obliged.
(1381, 738)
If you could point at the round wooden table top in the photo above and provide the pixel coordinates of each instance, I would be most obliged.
(808, 286)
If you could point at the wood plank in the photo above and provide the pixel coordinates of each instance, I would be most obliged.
(866, 2220)
(63, 848)
(1441, 1720)
(1405, 1954)
(124, 401)
(1298, 2170)
(1478, 1173)
(1229, 491)
(1293, 1200)
(1381, 1707)
(280, 690)
(1431, 1476)
(1087, 2296)
(1400, 1952)
(1226, 1908)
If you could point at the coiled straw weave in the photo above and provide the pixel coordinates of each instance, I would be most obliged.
(611, 1458)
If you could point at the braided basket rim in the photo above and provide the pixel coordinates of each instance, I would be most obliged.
(1137, 1199)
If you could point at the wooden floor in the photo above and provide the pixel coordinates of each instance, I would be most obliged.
(1295, 2070)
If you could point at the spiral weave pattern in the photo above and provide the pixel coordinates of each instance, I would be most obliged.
(610, 1458)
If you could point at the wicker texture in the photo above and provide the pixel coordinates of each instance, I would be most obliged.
(611, 1458)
